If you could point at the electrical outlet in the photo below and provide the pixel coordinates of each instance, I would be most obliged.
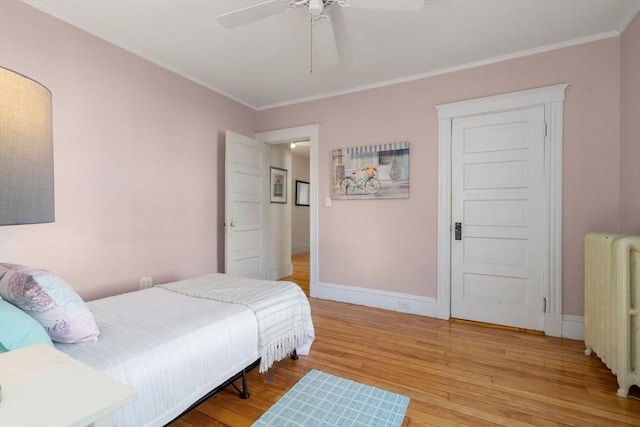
(404, 305)
(146, 282)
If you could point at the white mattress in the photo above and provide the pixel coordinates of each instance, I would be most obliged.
(171, 348)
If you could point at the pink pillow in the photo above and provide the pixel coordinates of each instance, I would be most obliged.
(51, 301)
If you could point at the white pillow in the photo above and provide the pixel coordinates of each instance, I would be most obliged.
(51, 301)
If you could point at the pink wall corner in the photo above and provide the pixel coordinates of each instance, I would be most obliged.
(139, 161)
(390, 245)
(630, 127)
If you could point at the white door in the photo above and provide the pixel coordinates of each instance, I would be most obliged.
(497, 199)
(246, 195)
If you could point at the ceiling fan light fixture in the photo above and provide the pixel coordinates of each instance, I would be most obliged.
(316, 7)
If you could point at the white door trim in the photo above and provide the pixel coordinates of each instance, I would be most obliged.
(290, 135)
(552, 98)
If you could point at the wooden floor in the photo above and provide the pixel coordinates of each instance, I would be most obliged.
(455, 373)
(300, 271)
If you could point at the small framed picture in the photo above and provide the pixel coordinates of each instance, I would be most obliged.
(278, 185)
(302, 193)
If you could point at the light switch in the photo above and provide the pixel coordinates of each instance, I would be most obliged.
(327, 202)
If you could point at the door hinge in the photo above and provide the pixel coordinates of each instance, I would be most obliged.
(544, 305)
(545, 130)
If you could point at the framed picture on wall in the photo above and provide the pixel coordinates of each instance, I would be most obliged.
(278, 185)
(371, 172)
(302, 193)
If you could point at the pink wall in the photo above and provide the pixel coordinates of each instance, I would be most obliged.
(139, 161)
(391, 245)
(630, 128)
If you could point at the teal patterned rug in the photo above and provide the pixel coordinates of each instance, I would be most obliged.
(320, 399)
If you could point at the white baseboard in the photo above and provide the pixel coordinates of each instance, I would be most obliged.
(573, 327)
(405, 303)
(300, 250)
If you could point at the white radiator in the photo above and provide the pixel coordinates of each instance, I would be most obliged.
(612, 304)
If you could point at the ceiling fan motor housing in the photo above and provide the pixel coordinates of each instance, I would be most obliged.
(316, 7)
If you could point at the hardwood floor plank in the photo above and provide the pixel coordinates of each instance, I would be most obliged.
(455, 373)
(300, 271)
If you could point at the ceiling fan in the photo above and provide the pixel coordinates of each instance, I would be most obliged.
(323, 33)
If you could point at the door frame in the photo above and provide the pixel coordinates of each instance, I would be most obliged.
(552, 98)
(295, 134)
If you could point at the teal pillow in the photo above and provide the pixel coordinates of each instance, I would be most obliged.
(18, 329)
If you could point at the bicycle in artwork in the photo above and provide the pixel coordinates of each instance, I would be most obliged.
(366, 183)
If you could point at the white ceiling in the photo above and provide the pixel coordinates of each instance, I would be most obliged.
(267, 62)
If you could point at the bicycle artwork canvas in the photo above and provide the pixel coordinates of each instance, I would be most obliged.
(371, 172)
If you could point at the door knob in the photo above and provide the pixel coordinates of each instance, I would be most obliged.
(458, 231)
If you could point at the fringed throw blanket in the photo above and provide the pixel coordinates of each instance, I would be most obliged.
(281, 309)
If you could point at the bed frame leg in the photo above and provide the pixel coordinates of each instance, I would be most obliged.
(294, 355)
(244, 392)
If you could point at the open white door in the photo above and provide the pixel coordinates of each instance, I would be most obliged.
(246, 197)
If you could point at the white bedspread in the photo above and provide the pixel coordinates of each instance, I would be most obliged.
(143, 344)
(281, 309)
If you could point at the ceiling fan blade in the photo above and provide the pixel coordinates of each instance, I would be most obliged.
(325, 50)
(252, 13)
(343, 42)
(407, 5)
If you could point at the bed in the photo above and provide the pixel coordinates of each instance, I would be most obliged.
(176, 342)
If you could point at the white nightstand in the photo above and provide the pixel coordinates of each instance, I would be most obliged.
(42, 386)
